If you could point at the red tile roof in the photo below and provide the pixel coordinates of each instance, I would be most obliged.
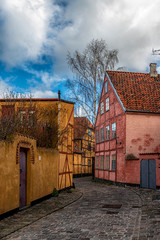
(80, 126)
(137, 91)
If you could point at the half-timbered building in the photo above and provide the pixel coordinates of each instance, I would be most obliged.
(127, 128)
(84, 146)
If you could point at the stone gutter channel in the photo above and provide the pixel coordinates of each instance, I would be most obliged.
(32, 214)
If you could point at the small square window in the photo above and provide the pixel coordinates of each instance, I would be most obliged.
(107, 104)
(102, 107)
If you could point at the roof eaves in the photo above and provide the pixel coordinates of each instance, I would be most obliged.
(141, 111)
(115, 92)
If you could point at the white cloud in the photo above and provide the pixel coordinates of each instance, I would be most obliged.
(43, 94)
(132, 27)
(24, 28)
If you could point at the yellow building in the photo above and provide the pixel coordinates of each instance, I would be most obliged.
(29, 172)
(84, 147)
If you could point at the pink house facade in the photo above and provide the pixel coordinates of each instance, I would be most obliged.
(127, 129)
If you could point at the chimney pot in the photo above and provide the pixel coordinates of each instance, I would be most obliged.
(153, 71)
(59, 94)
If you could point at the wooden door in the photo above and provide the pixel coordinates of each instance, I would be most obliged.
(148, 173)
(23, 175)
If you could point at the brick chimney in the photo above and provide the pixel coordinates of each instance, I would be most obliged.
(153, 71)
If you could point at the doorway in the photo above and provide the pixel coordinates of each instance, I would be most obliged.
(23, 178)
(148, 173)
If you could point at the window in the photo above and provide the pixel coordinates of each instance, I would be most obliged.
(113, 130)
(22, 116)
(89, 162)
(89, 132)
(102, 163)
(106, 86)
(8, 111)
(97, 136)
(107, 104)
(114, 162)
(97, 162)
(102, 134)
(89, 146)
(107, 162)
(107, 133)
(93, 147)
(102, 107)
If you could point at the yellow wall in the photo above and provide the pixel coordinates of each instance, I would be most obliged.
(51, 168)
(66, 122)
(42, 174)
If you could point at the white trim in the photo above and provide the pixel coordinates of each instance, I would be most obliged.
(115, 92)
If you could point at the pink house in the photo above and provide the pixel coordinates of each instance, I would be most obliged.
(128, 129)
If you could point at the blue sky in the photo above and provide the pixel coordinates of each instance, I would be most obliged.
(35, 36)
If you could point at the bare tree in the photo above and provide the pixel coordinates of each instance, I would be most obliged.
(89, 68)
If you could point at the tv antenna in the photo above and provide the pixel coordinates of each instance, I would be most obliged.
(156, 52)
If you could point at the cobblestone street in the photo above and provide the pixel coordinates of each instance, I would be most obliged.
(103, 212)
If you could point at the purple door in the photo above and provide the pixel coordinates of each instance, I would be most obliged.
(23, 165)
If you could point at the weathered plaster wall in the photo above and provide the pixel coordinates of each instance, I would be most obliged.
(42, 173)
(142, 133)
(113, 146)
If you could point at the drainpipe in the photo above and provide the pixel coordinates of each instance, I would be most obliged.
(59, 99)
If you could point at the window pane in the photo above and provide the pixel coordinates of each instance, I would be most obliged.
(97, 136)
(107, 104)
(89, 162)
(106, 86)
(107, 162)
(114, 162)
(102, 162)
(107, 132)
(102, 107)
(102, 134)
(113, 130)
(97, 162)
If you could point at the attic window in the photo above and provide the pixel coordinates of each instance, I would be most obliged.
(107, 104)
(89, 132)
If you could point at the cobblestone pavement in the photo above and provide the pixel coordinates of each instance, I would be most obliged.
(103, 212)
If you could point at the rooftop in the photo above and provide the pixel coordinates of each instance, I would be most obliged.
(137, 91)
